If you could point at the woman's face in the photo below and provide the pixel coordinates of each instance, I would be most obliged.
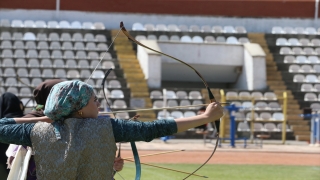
(91, 110)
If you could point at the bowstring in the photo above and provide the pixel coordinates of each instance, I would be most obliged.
(104, 55)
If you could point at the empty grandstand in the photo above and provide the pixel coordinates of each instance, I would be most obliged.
(253, 60)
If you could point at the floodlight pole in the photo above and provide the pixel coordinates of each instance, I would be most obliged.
(316, 12)
(57, 7)
(284, 111)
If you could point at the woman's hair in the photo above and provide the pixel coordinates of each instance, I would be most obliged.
(40, 94)
(66, 98)
(10, 106)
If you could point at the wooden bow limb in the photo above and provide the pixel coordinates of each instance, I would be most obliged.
(155, 109)
(167, 169)
(154, 154)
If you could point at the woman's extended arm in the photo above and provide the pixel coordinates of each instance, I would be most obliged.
(126, 131)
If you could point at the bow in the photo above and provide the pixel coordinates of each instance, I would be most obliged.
(211, 97)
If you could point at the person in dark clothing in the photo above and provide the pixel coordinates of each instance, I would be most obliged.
(10, 107)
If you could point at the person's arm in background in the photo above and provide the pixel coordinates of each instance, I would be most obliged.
(32, 120)
(13, 133)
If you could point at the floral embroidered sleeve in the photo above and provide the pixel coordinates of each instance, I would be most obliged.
(12, 133)
(127, 131)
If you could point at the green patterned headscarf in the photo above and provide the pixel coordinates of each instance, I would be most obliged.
(66, 98)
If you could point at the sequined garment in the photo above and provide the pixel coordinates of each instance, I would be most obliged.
(80, 154)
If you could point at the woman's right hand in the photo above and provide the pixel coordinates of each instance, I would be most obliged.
(118, 164)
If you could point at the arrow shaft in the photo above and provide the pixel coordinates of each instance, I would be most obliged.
(167, 168)
(155, 109)
(154, 154)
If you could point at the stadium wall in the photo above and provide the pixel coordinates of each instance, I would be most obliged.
(230, 8)
(217, 62)
(112, 20)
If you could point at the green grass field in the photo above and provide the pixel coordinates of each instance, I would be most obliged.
(224, 172)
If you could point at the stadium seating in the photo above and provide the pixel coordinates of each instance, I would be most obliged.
(155, 94)
(261, 106)
(122, 115)
(163, 115)
(294, 30)
(184, 102)
(70, 50)
(243, 126)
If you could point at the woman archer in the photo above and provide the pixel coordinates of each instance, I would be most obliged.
(78, 144)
